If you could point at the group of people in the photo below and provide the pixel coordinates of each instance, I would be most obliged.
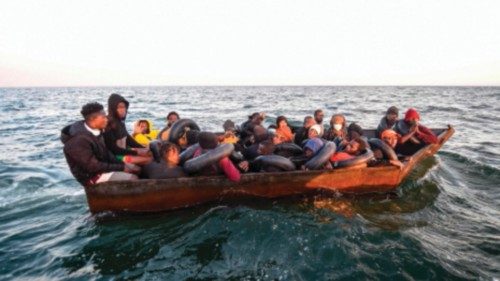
(99, 148)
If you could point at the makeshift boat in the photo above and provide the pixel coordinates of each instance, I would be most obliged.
(169, 194)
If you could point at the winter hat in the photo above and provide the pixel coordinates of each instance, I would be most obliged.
(314, 145)
(317, 128)
(412, 114)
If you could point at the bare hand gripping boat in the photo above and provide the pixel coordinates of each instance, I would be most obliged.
(169, 194)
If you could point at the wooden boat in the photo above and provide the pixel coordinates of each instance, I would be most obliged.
(169, 194)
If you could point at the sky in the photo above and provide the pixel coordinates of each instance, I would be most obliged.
(231, 42)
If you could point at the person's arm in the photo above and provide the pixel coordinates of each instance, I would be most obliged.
(110, 140)
(229, 169)
(84, 157)
(408, 136)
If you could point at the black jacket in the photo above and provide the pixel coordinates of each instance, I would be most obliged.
(116, 128)
(86, 154)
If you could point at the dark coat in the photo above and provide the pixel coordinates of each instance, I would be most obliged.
(116, 128)
(86, 154)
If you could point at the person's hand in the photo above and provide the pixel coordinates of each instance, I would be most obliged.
(243, 166)
(137, 129)
(397, 163)
(413, 129)
(132, 168)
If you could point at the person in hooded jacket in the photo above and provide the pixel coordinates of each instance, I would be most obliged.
(118, 139)
(338, 129)
(89, 160)
(388, 121)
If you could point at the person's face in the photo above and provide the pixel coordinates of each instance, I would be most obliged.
(171, 119)
(143, 126)
(276, 140)
(413, 122)
(282, 124)
(392, 117)
(312, 134)
(100, 121)
(319, 117)
(309, 123)
(392, 142)
(121, 110)
(257, 120)
(173, 157)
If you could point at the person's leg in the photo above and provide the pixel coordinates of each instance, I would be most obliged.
(116, 176)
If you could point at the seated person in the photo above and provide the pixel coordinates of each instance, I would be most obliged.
(89, 160)
(391, 138)
(171, 118)
(352, 146)
(338, 129)
(283, 131)
(314, 132)
(318, 118)
(311, 148)
(229, 133)
(302, 132)
(144, 132)
(168, 166)
(388, 121)
(209, 141)
(253, 120)
(414, 136)
(117, 139)
(259, 134)
(264, 148)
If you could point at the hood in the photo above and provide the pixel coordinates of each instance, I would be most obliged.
(113, 102)
(72, 130)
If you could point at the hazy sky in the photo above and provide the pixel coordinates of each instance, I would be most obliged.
(216, 42)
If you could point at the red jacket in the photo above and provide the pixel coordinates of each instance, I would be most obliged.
(225, 165)
(426, 135)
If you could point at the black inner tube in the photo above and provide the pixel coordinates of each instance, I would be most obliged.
(276, 161)
(179, 127)
(154, 147)
(188, 153)
(212, 156)
(386, 149)
(322, 156)
(288, 148)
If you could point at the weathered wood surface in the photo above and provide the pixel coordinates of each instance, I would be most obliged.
(169, 194)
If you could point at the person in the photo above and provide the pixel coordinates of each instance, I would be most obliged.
(172, 116)
(283, 131)
(388, 121)
(207, 142)
(266, 147)
(314, 131)
(414, 136)
(312, 147)
(259, 134)
(168, 167)
(253, 120)
(229, 133)
(318, 117)
(144, 132)
(338, 129)
(352, 145)
(391, 138)
(302, 132)
(88, 158)
(118, 139)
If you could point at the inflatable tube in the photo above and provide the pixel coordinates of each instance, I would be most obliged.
(322, 156)
(289, 147)
(236, 156)
(386, 149)
(276, 161)
(188, 153)
(178, 129)
(197, 164)
(363, 158)
(154, 147)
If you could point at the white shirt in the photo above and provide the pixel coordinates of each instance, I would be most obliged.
(94, 132)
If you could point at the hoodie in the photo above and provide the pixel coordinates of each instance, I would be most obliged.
(116, 130)
(87, 154)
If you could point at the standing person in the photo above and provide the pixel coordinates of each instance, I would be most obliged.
(318, 117)
(283, 131)
(388, 121)
(302, 132)
(413, 135)
(168, 167)
(172, 117)
(118, 139)
(88, 158)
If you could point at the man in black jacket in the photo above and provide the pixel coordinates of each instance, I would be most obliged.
(88, 158)
(116, 137)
